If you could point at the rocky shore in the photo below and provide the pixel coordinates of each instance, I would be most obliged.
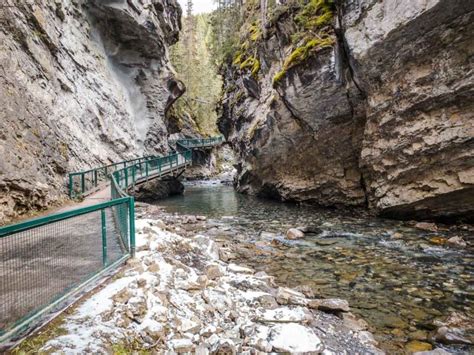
(179, 295)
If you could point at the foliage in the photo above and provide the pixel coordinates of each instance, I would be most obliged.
(33, 344)
(195, 66)
(251, 63)
(301, 54)
(315, 14)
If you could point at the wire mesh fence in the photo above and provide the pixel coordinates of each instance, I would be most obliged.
(43, 261)
(84, 182)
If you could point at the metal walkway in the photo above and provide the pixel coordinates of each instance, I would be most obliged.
(46, 261)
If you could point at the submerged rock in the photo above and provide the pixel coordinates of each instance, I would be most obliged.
(417, 346)
(294, 233)
(457, 242)
(426, 226)
(437, 351)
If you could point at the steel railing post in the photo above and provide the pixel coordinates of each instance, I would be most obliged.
(131, 211)
(83, 183)
(70, 185)
(104, 237)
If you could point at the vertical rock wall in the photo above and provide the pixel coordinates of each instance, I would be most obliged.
(82, 83)
(382, 118)
(414, 60)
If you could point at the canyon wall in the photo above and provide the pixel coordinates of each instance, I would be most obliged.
(375, 112)
(83, 83)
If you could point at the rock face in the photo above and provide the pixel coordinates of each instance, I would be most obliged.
(158, 189)
(382, 118)
(414, 62)
(83, 83)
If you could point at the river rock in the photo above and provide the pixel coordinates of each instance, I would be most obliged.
(457, 328)
(224, 346)
(431, 227)
(451, 336)
(417, 346)
(437, 351)
(294, 338)
(289, 296)
(214, 271)
(181, 345)
(122, 296)
(155, 330)
(354, 323)
(239, 269)
(285, 315)
(226, 255)
(330, 305)
(237, 312)
(294, 233)
(457, 242)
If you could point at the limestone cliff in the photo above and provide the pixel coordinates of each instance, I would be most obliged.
(83, 83)
(374, 109)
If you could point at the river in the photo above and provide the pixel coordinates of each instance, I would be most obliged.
(397, 277)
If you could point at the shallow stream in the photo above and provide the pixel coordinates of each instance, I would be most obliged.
(397, 277)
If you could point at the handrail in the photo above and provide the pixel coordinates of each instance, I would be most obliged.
(89, 179)
(124, 178)
(200, 142)
(93, 176)
(41, 221)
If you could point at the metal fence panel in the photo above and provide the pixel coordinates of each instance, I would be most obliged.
(47, 259)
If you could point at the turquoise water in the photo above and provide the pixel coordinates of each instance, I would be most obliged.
(398, 278)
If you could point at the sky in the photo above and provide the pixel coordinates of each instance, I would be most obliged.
(200, 6)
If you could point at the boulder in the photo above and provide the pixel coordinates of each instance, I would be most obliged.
(294, 338)
(431, 227)
(330, 305)
(293, 234)
(288, 296)
(457, 242)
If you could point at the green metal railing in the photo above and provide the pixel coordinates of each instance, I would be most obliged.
(200, 142)
(84, 182)
(45, 261)
(124, 178)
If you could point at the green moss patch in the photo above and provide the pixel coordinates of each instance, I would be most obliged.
(301, 54)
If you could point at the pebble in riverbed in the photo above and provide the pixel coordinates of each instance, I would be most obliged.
(177, 295)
